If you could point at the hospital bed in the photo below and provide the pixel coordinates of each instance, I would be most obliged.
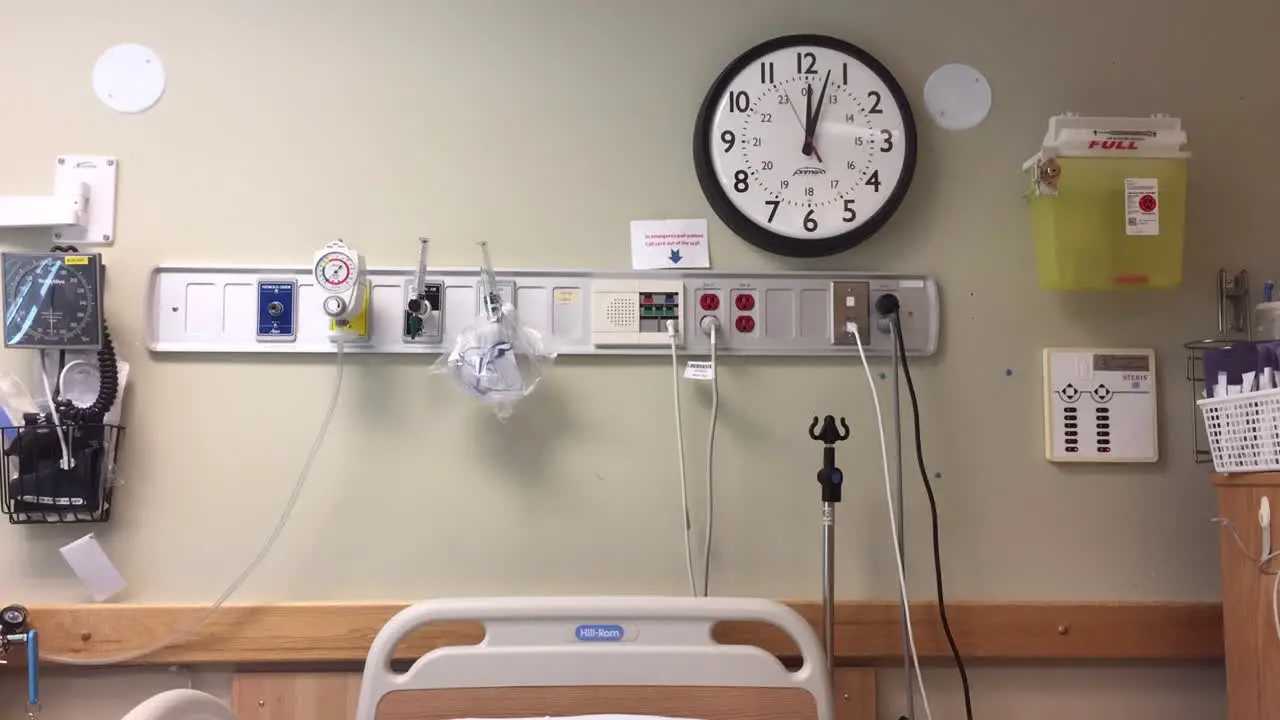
(562, 657)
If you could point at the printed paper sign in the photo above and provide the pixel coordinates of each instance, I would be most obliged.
(669, 244)
(1141, 206)
(700, 370)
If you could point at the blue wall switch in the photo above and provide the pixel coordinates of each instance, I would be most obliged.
(277, 310)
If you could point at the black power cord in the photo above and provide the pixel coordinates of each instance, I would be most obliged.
(108, 372)
(888, 306)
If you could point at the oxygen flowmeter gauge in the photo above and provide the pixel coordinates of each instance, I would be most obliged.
(339, 273)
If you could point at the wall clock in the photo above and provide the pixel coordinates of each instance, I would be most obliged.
(805, 145)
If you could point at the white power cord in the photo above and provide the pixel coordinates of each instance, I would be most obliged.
(53, 412)
(711, 450)
(684, 480)
(893, 524)
(298, 485)
(1262, 560)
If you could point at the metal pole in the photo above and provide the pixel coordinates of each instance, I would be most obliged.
(900, 516)
(829, 583)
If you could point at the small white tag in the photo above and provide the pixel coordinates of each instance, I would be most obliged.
(1141, 206)
(96, 571)
(699, 370)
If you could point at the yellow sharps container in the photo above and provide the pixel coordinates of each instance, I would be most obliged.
(1109, 203)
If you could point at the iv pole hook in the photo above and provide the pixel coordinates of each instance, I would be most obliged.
(831, 478)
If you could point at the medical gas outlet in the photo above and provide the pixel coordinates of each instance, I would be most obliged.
(340, 275)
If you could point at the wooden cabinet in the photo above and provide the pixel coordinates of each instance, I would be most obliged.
(1249, 628)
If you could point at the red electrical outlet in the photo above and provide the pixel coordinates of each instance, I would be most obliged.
(745, 324)
(745, 302)
(709, 302)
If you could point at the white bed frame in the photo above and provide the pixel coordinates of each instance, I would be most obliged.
(567, 643)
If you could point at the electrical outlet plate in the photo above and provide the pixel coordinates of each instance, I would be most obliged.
(214, 310)
(1100, 405)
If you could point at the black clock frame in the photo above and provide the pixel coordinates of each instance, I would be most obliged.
(742, 225)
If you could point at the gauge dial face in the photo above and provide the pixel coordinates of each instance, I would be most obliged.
(13, 616)
(335, 272)
(52, 300)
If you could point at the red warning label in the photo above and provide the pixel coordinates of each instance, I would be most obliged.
(1142, 206)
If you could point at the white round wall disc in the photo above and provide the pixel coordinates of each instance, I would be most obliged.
(957, 96)
(129, 78)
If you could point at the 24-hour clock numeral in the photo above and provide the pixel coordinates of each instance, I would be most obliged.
(766, 73)
(766, 117)
(773, 208)
(886, 136)
(740, 181)
(766, 165)
(874, 97)
(874, 180)
(849, 213)
(806, 63)
(739, 101)
(729, 139)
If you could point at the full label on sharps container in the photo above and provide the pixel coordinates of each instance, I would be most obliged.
(1141, 206)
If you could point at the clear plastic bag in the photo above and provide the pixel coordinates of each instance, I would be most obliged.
(496, 359)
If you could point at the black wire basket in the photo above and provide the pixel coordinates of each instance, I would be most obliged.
(38, 486)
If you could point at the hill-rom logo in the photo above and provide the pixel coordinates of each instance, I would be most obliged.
(599, 633)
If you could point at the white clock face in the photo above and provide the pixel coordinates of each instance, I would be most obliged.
(808, 148)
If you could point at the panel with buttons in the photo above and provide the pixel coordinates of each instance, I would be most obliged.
(1100, 405)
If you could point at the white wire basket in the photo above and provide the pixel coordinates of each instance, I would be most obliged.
(1243, 431)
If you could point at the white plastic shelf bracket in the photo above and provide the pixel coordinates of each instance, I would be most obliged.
(82, 208)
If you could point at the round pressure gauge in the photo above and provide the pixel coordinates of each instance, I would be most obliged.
(14, 616)
(336, 271)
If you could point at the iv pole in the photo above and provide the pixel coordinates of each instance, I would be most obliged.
(831, 478)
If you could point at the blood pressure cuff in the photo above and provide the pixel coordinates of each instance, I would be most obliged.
(42, 485)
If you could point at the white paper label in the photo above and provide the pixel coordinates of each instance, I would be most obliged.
(1141, 206)
(699, 370)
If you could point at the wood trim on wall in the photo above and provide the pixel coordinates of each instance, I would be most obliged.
(866, 632)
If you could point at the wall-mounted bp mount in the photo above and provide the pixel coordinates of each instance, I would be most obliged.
(80, 211)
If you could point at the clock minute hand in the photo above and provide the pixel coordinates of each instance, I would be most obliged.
(812, 131)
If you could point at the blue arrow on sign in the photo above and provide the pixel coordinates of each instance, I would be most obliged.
(675, 256)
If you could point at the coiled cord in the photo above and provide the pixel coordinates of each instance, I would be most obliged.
(109, 377)
(108, 388)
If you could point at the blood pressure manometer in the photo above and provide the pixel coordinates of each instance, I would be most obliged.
(339, 273)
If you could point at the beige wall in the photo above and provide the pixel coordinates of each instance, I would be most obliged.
(544, 127)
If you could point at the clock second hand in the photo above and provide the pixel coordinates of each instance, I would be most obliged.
(808, 142)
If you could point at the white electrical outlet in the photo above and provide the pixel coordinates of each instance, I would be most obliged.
(1100, 405)
(636, 312)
